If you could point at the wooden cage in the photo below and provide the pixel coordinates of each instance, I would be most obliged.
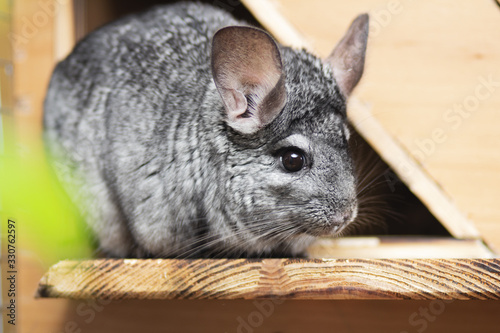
(428, 105)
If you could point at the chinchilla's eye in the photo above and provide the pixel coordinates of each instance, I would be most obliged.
(293, 159)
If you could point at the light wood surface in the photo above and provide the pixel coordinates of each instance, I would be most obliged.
(425, 60)
(363, 279)
(398, 247)
(64, 29)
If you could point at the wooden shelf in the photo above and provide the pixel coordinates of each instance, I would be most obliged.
(359, 279)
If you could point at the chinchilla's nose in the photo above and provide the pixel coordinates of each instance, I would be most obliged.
(345, 216)
(341, 218)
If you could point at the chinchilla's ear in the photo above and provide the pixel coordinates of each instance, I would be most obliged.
(348, 58)
(247, 70)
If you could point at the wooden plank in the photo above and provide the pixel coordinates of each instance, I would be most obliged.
(425, 61)
(362, 279)
(64, 29)
(49, 315)
(399, 247)
(268, 14)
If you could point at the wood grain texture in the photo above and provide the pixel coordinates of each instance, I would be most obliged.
(49, 315)
(424, 279)
(424, 83)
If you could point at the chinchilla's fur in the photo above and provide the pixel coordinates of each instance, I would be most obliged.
(173, 141)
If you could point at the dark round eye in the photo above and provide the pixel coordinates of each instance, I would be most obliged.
(293, 160)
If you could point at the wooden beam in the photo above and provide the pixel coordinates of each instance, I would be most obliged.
(64, 29)
(268, 14)
(360, 279)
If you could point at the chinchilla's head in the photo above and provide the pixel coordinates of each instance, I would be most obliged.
(289, 172)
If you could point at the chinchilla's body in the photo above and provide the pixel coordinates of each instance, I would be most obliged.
(176, 142)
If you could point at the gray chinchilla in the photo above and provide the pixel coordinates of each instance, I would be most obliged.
(181, 132)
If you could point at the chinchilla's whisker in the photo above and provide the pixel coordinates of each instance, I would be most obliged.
(255, 217)
(275, 232)
(368, 219)
(366, 176)
(373, 183)
(210, 240)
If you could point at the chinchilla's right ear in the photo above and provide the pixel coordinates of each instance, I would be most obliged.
(348, 58)
(247, 70)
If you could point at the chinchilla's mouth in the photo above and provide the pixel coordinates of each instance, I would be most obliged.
(333, 225)
(325, 230)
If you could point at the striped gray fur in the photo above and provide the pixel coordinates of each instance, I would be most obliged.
(140, 135)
